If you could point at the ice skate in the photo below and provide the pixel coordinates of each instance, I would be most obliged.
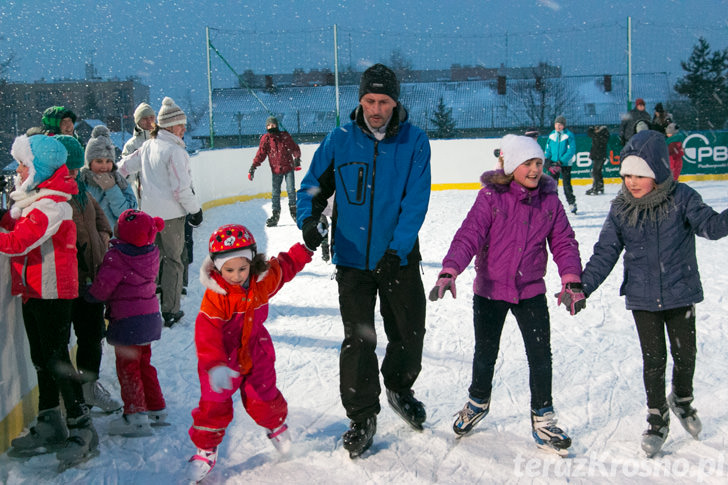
(131, 426)
(281, 439)
(686, 414)
(659, 426)
(548, 436)
(81, 445)
(360, 436)
(46, 436)
(200, 464)
(272, 221)
(96, 395)
(158, 418)
(592, 191)
(408, 408)
(292, 209)
(572, 208)
(170, 318)
(470, 415)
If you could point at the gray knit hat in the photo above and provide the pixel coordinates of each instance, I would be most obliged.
(271, 119)
(142, 111)
(100, 145)
(170, 114)
(560, 119)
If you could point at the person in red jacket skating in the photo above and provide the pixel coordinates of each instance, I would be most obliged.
(234, 349)
(284, 157)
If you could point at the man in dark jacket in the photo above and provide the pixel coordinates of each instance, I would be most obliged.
(598, 155)
(284, 156)
(378, 168)
(634, 121)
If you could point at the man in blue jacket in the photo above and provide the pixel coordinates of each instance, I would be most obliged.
(560, 153)
(378, 168)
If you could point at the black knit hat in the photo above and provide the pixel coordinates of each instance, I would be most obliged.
(379, 79)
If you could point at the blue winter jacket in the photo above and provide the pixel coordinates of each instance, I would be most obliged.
(382, 189)
(660, 265)
(561, 147)
(113, 201)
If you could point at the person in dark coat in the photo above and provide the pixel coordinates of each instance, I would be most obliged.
(598, 155)
(654, 220)
(635, 120)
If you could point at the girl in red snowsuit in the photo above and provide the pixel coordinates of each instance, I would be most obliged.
(234, 349)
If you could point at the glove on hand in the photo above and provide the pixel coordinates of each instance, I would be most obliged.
(445, 281)
(251, 173)
(221, 377)
(297, 164)
(572, 297)
(195, 219)
(105, 180)
(314, 233)
(387, 268)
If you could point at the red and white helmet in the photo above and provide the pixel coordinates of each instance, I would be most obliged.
(231, 237)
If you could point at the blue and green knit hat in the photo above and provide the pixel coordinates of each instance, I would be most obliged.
(52, 118)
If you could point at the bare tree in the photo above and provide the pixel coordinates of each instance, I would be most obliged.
(543, 98)
(195, 111)
(401, 65)
(6, 62)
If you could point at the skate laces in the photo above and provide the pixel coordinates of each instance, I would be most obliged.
(470, 410)
(206, 456)
(683, 407)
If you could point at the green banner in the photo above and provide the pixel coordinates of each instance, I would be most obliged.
(706, 153)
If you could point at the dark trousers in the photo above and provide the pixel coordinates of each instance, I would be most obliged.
(278, 179)
(597, 173)
(532, 316)
(680, 325)
(90, 328)
(565, 172)
(402, 306)
(48, 326)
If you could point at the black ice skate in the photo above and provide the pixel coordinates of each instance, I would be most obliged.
(408, 408)
(360, 436)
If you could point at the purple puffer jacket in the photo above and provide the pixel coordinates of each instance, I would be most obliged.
(126, 282)
(506, 230)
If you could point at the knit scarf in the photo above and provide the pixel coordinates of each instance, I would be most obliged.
(652, 207)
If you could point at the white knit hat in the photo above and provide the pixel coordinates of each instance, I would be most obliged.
(224, 257)
(142, 111)
(634, 165)
(518, 149)
(170, 114)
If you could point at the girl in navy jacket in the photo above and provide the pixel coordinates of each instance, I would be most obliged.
(655, 220)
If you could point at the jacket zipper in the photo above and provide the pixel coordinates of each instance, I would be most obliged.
(371, 200)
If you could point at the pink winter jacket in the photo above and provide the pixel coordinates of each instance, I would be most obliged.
(507, 230)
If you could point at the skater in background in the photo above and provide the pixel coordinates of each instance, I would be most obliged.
(59, 120)
(93, 233)
(631, 120)
(234, 349)
(284, 157)
(41, 243)
(560, 154)
(126, 282)
(675, 139)
(376, 249)
(598, 155)
(654, 220)
(661, 119)
(102, 179)
(167, 192)
(510, 266)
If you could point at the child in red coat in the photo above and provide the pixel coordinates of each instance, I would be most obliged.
(234, 349)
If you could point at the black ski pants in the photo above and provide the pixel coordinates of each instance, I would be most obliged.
(402, 306)
(680, 325)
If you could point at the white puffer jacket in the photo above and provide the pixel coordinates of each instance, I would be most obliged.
(166, 179)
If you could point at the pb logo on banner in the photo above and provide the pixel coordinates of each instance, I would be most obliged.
(699, 150)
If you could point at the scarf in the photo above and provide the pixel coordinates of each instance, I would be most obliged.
(653, 207)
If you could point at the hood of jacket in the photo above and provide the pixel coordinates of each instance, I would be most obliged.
(650, 146)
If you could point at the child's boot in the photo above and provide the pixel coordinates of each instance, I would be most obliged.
(686, 414)
(281, 438)
(49, 433)
(659, 426)
(131, 426)
(201, 464)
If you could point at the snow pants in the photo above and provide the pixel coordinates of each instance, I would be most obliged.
(680, 325)
(48, 327)
(171, 242)
(532, 316)
(402, 307)
(140, 388)
(261, 398)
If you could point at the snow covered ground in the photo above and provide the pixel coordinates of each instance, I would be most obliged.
(598, 391)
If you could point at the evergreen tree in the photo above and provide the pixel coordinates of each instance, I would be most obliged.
(443, 121)
(706, 86)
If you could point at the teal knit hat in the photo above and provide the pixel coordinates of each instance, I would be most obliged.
(75, 158)
(43, 155)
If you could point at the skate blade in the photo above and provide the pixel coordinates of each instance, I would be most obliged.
(160, 425)
(65, 465)
(562, 452)
(25, 454)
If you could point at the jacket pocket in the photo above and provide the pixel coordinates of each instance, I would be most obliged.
(353, 177)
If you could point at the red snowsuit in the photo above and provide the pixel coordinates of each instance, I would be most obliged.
(229, 331)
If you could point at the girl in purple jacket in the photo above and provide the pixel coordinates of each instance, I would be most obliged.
(126, 282)
(515, 214)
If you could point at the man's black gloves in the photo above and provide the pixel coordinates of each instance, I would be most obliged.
(314, 232)
(388, 267)
(195, 219)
